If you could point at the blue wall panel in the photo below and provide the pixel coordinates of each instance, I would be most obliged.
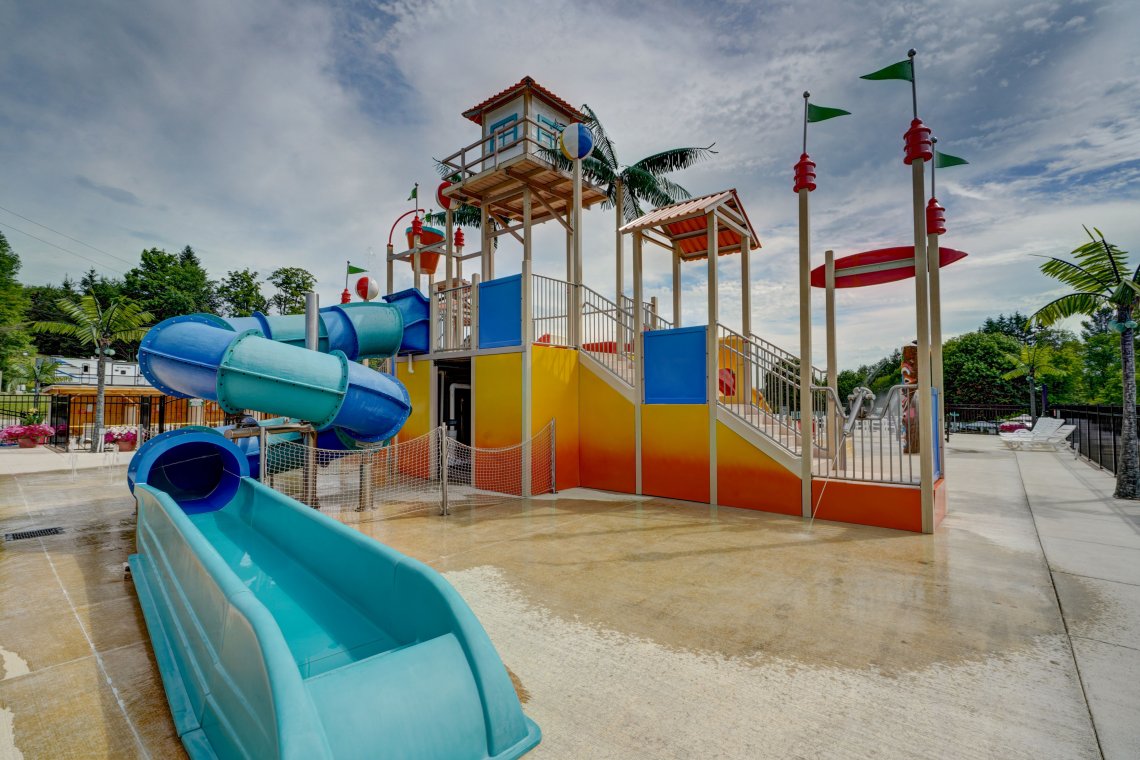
(675, 366)
(500, 312)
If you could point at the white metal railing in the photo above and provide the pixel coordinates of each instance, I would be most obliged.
(453, 319)
(550, 301)
(523, 136)
(865, 440)
(759, 383)
(819, 376)
(649, 316)
(607, 335)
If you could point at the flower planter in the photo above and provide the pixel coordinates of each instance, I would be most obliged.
(126, 445)
(29, 443)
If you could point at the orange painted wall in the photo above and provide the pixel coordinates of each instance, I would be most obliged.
(497, 391)
(885, 506)
(749, 478)
(418, 384)
(675, 451)
(554, 394)
(606, 437)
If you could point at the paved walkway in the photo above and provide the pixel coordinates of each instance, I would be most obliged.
(651, 628)
(17, 461)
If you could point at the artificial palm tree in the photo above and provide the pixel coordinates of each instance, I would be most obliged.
(629, 188)
(124, 321)
(1032, 362)
(43, 371)
(1100, 277)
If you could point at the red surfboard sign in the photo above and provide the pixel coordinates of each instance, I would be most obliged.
(876, 267)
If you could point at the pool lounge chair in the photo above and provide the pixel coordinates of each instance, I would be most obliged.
(1043, 430)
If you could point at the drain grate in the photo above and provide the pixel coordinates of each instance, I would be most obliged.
(38, 533)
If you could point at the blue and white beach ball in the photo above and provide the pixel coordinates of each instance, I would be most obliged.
(576, 141)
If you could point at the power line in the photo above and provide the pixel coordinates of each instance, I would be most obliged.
(69, 237)
(60, 247)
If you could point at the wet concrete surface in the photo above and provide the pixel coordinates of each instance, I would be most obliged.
(652, 628)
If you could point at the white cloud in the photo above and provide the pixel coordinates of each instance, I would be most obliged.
(277, 133)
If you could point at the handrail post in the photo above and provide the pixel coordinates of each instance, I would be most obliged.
(475, 312)
(444, 446)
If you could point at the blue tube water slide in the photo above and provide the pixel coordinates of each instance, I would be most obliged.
(280, 632)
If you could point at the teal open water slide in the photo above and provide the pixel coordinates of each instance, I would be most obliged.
(279, 631)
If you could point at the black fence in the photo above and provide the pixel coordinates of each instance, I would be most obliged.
(73, 416)
(982, 419)
(1097, 436)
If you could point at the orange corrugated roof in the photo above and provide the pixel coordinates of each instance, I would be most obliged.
(475, 113)
(678, 221)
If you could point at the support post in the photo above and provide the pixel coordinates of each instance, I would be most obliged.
(485, 245)
(922, 305)
(745, 317)
(836, 455)
(367, 487)
(712, 350)
(444, 466)
(619, 261)
(312, 321)
(676, 286)
(934, 260)
(577, 301)
(475, 313)
(805, 356)
(638, 360)
(390, 270)
(528, 346)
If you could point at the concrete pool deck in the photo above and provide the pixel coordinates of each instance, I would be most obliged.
(653, 628)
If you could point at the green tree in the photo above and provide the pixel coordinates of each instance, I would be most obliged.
(292, 284)
(1032, 362)
(43, 306)
(1100, 277)
(168, 284)
(15, 343)
(239, 294)
(973, 365)
(106, 289)
(124, 321)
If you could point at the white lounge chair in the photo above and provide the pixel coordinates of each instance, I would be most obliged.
(1054, 441)
(1045, 428)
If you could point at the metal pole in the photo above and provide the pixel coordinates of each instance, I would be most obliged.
(805, 356)
(263, 454)
(312, 321)
(444, 446)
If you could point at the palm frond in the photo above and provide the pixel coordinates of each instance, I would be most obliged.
(602, 142)
(675, 159)
(645, 186)
(1067, 306)
(1072, 274)
(1102, 258)
(673, 190)
(62, 328)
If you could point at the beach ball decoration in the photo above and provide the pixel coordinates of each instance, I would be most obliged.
(367, 288)
(576, 141)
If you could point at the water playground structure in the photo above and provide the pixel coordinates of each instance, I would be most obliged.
(280, 632)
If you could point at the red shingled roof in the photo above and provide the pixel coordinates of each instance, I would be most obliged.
(475, 113)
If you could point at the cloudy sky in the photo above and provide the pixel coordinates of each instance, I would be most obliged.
(274, 133)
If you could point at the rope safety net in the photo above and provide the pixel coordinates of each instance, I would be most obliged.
(431, 472)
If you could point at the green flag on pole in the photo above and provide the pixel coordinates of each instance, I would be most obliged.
(823, 113)
(945, 160)
(355, 270)
(415, 193)
(902, 70)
